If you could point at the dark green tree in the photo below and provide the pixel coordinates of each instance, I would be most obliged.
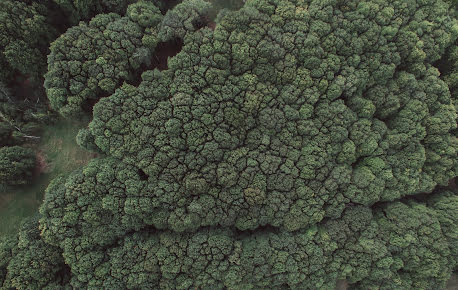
(287, 145)
(92, 60)
(397, 245)
(186, 17)
(16, 165)
(267, 126)
(86, 9)
(25, 34)
(29, 263)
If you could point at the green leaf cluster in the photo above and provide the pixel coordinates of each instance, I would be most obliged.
(16, 165)
(25, 33)
(92, 59)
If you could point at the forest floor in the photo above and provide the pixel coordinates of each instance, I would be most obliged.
(453, 282)
(57, 153)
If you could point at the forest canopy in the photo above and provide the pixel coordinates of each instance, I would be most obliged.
(241, 144)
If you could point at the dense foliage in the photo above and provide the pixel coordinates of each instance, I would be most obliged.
(27, 262)
(263, 132)
(398, 245)
(92, 59)
(289, 143)
(16, 165)
(86, 9)
(25, 34)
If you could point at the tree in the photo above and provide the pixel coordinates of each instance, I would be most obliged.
(187, 17)
(288, 145)
(86, 9)
(90, 60)
(16, 165)
(29, 263)
(25, 34)
(266, 131)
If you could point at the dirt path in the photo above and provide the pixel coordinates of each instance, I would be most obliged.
(42, 166)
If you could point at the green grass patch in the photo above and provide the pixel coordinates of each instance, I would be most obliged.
(60, 150)
(21, 202)
(57, 153)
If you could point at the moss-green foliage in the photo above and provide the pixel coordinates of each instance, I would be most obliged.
(7, 244)
(448, 66)
(29, 263)
(280, 148)
(448, 63)
(79, 10)
(271, 103)
(187, 17)
(16, 165)
(93, 59)
(228, 4)
(289, 115)
(402, 245)
(25, 34)
(446, 206)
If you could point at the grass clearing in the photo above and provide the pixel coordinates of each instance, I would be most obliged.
(60, 150)
(57, 153)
